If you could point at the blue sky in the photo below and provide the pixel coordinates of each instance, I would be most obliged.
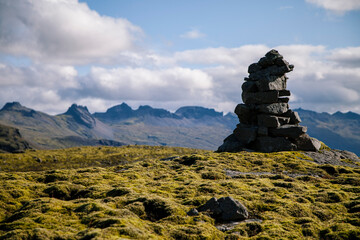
(173, 53)
(233, 23)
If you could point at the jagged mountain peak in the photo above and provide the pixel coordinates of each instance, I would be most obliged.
(81, 115)
(74, 107)
(121, 111)
(156, 112)
(347, 115)
(13, 106)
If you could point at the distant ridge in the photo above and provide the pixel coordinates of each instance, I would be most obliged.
(197, 112)
(188, 126)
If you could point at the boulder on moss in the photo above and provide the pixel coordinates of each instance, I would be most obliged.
(224, 209)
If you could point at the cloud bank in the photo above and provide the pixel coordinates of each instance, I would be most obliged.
(322, 80)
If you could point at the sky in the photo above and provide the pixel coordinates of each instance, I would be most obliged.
(168, 54)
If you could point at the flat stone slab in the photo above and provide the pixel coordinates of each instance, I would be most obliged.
(291, 131)
(260, 97)
(284, 93)
(274, 108)
(334, 157)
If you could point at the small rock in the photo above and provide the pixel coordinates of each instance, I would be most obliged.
(225, 209)
(306, 143)
(232, 210)
(193, 212)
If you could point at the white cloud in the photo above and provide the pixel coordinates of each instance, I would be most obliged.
(222, 55)
(193, 34)
(337, 6)
(172, 84)
(62, 31)
(346, 56)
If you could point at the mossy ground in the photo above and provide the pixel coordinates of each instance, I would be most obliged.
(142, 192)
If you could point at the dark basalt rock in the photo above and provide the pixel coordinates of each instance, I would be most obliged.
(225, 209)
(260, 97)
(274, 144)
(291, 131)
(273, 108)
(266, 122)
(272, 121)
(231, 144)
(306, 143)
(245, 134)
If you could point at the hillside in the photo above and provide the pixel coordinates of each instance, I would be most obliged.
(11, 140)
(338, 130)
(143, 192)
(45, 131)
(189, 126)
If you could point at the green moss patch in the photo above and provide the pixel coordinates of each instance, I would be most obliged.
(143, 192)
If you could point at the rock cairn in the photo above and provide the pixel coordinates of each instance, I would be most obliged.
(266, 122)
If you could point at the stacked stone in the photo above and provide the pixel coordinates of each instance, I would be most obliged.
(266, 122)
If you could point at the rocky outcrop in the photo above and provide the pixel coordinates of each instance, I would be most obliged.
(267, 124)
(11, 140)
(81, 115)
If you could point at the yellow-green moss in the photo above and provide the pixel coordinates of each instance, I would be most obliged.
(143, 192)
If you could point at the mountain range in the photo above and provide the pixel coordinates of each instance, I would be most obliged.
(190, 126)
